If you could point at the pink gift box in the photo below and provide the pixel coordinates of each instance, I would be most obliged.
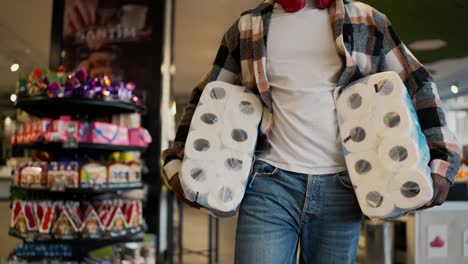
(139, 137)
(54, 137)
(105, 133)
(20, 138)
(28, 127)
(84, 132)
(42, 125)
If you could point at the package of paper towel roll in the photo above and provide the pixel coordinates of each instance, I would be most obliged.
(386, 152)
(220, 147)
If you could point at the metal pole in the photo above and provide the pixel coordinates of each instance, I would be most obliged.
(170, 226)
(216, 240)
(210, 236)
(181, 223)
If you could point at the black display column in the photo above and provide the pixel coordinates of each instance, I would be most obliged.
(139, 59)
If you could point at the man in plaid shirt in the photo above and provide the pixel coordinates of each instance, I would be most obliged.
(285, 203)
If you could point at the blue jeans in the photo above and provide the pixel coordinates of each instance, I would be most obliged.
(282, 210)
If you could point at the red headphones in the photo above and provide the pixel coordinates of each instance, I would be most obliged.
(292, 6)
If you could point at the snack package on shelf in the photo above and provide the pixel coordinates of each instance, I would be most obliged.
(84, 132)
(63, 175)
(64, 227)
(131, 120)
(106, 133)
(91, 227)
(93, 174)
(116, 224)
(139, 137)
(33, 174)
(117, 174)
(134, 176)
(66, 128)
(70, 220)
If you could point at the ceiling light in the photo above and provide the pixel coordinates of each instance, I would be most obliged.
(454, 89)
(13, 97)
(429, 44)
(14, 67)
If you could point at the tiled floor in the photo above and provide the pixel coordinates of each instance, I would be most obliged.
(196, 237)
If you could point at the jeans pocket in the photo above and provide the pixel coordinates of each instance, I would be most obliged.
(260, 169)
(344, 180)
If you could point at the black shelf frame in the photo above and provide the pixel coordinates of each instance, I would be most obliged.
(58, 146)
(74, 194)
(81, 246)
(42, 106)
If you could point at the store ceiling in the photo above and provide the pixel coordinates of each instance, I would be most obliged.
(201, 23)
(25, 27)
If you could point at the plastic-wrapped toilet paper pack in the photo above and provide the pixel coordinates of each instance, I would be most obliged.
(385, 150)
(220, 147)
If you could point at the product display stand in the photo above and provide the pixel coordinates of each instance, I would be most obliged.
(81, 109)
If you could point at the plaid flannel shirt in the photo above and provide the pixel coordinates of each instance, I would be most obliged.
(366, 40)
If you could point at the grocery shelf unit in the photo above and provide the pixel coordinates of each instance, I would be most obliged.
(82, 109)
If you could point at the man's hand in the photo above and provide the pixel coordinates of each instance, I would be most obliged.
(441, 189)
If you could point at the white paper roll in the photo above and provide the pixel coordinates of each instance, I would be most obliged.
(207, 117)
(373, 202)
(387, 85)
(197, 178)
(355, 101)
(412, 189)
(396, 153)
(244, 108)
(202, 145)
(394, 118)
(239, 138)
(226, 197)
(216, 93)
(233, 166)
(358, 137)
(365, 167)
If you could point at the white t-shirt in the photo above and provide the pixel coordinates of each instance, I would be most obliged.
(303, 67)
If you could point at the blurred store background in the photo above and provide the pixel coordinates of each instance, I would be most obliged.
(166, 54)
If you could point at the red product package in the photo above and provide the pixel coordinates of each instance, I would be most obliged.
(30, 218)
(47, 219)
(16, 212)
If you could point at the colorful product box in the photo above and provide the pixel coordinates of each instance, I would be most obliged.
(118, 174)
(63, 175)
(84, 132)
(33, 174)
(93, 175)
(139, 137)
(105, 133)
(134, 176)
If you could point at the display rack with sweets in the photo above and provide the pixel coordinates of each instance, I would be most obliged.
(65, 129)
(62, 175)
(58, 197)
(78, 84)
(68, 220)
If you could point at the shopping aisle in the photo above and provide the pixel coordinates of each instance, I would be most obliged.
(7, 243)
(196, 237)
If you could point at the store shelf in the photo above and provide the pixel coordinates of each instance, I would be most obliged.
(18, 193)
(42, 106)
(89, 242)
(74, 191)
(56, 146)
